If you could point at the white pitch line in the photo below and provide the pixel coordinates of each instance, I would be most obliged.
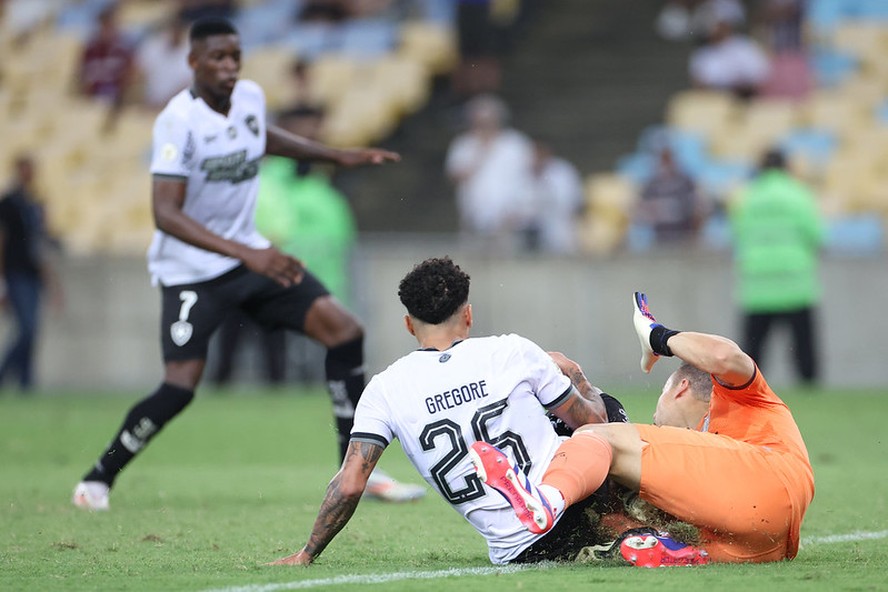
(382, 578)
(455, 572)
(851, 537)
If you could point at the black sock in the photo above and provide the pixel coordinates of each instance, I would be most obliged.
(345, 379)
(142, 423)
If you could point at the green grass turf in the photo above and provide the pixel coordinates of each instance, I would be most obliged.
(236, 482)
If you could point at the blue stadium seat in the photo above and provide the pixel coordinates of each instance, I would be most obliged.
(368, 38)
(266, 22)
(638, 166)
(882, 112)
(856, 235)
(816, 145)
(832, 67)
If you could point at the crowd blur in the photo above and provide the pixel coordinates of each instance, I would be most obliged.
(804, 77)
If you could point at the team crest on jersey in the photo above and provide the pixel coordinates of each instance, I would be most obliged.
(181, 331)
(444, 358)
(252, 124)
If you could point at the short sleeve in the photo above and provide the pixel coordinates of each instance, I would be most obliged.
(551, 386)
(173, 147)
(372, 416)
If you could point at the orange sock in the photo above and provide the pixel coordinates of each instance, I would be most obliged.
(580, 466)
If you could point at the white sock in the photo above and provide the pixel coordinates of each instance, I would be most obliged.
(554, 497)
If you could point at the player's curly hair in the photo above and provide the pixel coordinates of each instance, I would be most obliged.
(434, 290)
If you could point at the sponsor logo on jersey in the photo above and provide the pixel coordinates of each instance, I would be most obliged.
(234, 168)
(444, 358)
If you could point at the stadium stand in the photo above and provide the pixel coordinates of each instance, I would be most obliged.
(836, 137)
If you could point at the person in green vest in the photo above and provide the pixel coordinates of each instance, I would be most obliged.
(778, 233)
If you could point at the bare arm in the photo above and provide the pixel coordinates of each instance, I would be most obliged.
(717, 355)
(585, 405)
(343, 495)
(280, 142)
(168, 199)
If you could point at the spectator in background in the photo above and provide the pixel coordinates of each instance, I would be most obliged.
(106, 66)
(729, 61)
(778, 232)
(481, 40)
(302, 214)
(670, 204)
(26, 270)
(688, 20)
(490, 165)
(162, 64)
(781, 23)
(556, 198)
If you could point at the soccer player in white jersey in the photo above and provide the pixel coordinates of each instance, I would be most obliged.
(208, 258)
(446, 395)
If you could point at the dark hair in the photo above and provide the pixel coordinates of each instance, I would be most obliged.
(209, 26)
(773, 159)
(700, 380)
(434, 290)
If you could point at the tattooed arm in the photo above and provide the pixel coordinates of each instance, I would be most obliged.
(586, 405)
(340, 501)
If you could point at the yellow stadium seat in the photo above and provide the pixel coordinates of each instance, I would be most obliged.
(770, 118)
(332, 75)
(867, 40)
(835, 111)
(404, 80)
(361, 117)
(270, 67)
(707, 112)
(433, 45)
(143, 13)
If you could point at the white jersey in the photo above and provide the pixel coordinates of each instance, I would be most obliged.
(495, 389)
(218, 158)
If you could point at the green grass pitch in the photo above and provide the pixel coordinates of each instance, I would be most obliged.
(236, 482)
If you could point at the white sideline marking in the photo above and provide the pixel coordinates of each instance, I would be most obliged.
(382, 578)
(851, 537)
(831, 539)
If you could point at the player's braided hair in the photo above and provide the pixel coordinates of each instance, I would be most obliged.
(434, 290)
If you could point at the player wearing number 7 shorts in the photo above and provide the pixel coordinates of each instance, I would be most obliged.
(724, 453)
(209, 259)
(455, 390)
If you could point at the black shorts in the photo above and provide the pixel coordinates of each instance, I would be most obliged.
(192, 312)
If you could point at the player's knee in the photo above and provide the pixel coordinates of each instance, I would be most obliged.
(331, 324)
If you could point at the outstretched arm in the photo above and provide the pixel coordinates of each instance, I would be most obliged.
(343, 495)
(715, 354)
(586, 405)
(280, 142)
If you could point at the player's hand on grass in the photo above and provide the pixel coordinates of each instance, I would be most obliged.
(298, 558)
(282, 268)
(360, 156)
